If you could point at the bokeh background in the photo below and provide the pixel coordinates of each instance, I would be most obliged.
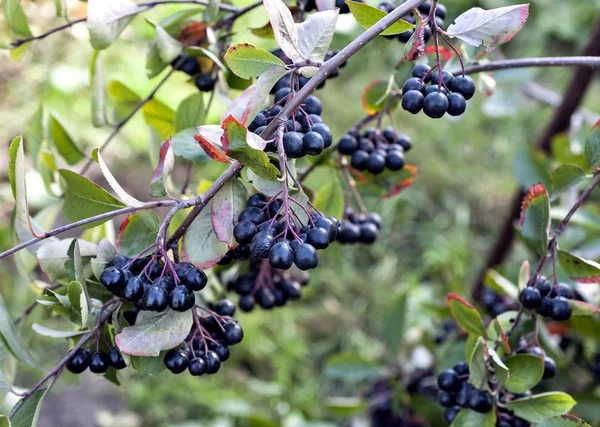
(435, 236)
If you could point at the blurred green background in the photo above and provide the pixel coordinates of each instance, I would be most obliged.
(435, 236)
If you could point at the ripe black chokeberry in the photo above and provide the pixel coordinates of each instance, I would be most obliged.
(120, 262)
(461, 368)
(456, 104)
(213, 363)
(257, 200)
(222, 351)
(563, 290)
(327, 225)
(349, 233)
(312, 143)
(394, 160)
(480, 401)
(376, 163)
(312, 105)
(281, 256)
(451, 413)
(181, 299)
(462, 398)
(447, 399)
(99, 362)
(116, 358)
(189, 65)
(113, 280)
(435, 105)
(293, 144)
(530, 298)
(359, 160)
(204, 82)
(293, 126)
(195, 279)
(436, 88)
(420, 71)
(233, 333)
(244, 231)
(292, 290)
(197, 367)
(281, 94)
(176, 360)
(318, 237)
(414, 83)
(561, 309)
(549, 368)
(543, 285)
(225, 307)
(134, 289)
(448, 380)
(368, 233)
(79, 362)
(404, 142)
(246, 303)
(412, 101)
(305, 257)
(323, 130)
(252, 214)
(155, 299)
(447, 78)
(464, 85)
(261, 244)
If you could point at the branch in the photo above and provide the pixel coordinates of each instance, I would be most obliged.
(146, 6)
(553, 61)
(67, 227)
(293, 104)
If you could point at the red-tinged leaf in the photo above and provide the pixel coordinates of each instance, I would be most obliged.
(138, 232)
(535, 218)
(444, 53)
(225, 209)
(582, 308)
(559, 329)
(166, 160)
(200, 243)
(404, 184)
(500, 332)
(211, 150)
(579, 269)
(193, 34)
(524, 274)
(416, 44)
(596, 124)
(374, 96)
(465, 314)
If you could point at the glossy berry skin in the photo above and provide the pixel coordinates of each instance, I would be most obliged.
(318, 237)
(222, 351)
(113, 280)
(176, 360)
(291, 289)
(549, 368)
(293, 144)
(420, 70)
(233, 333)
(244, 231)
(447, 78)
(480, 401)
(545, 307)
(155, 299)
(257, 200)
(134, 289)
(414, 83)
(451, 413)
(347, 145)
(456, 104)
(281, 256)
(543, 285)
(181, 299)
(405, 142)
(253, 214)
(312, 143)
(436, 88)
(204, 82)
(197, 367)
(461, 368)
(120, 261)
(246, 303)
(530, 298)
(561, 309)
(323, 130)
(305, 257)
(462, 398)
(394, 160)
(312, 105)
(447, 399)
(189, 66)
(463, 85)
(327, 225)
(412, 101)
(368, 233)
(79, 362)
(376, 163)
(116, 358)
(225, 307)
(99, 362)
(195, 279)
(563, 290)
(349, 233)
(359, 160)
(435, 105)
(213, 363)
(448, 380)
(261, 244)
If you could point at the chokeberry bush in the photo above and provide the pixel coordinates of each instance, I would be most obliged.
(257, 203)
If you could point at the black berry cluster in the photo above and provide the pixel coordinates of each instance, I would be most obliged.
(547, 300)
(375, 150)
(98, 361)
(448, 327)
(359, 227)
(286, 81)
(424, 9)
(496, 304)
(266, 287)
(207, 345)
(446, 95)
(205, 82)
(264, 232)
(153, 285)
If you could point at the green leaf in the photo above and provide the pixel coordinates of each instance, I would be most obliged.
(53, 333)
(539, 406)
(200, 242)
(469, 418)
(531, 166)
(350, 367)
(238, 148)
(104, 254)
(346, 406)
(500, 284)
(79, 301)
(225, 209)
(85, 199)
(154, 332)
(168, 47)
(106, 20)
(160, 117)
(63, 141)
(98, 93)
(367, 16)
(190, 112)
(60, 6)
(138, 232)
(211, 11)
(5, 387)
(500, 368)
(123, 98)
(566, 176)
(535, 218)
(54, 255)
(375, 96)
(154, 63)
(4, 421)
(315, 34)
(579, 269)
(478, 372)
(248, 61)
(28, 414)
(269, 187)
(16, 19)
(465, 314)
(148, 366)
(563, 421)
(526, 371)
(592, 148)
(395, 324)
(11, 338)
(581, 308)
(329, 198)
(74, 265)
(185, 146)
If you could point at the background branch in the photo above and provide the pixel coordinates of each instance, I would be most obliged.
(553, 61)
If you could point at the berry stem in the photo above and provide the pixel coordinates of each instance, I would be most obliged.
(352, 185)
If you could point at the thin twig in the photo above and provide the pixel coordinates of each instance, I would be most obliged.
(554, 61)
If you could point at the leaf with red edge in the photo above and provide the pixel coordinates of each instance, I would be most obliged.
(596, 124)
(211, 149)
(591, 148)
(166, 160)
(225, 209)
(404, 184)
(500, 332)
(444, 53)
(416, 44)
(535, 218)
(579, 269)
(387, 184)
(465, 315)
(138, 232)
(375, 96)
(582, 308)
